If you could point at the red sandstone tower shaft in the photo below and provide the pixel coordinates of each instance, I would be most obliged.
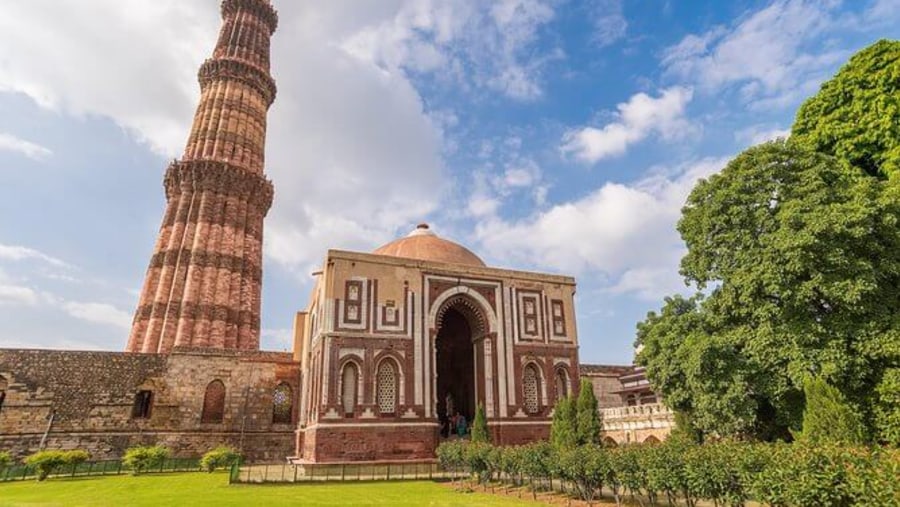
(204, 281)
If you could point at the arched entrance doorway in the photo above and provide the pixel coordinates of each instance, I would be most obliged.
(459, 359)
(455, 361)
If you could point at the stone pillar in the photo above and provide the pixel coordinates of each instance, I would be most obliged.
(203, 285)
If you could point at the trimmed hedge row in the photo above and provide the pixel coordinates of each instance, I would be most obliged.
(137, 460)
(725, 473)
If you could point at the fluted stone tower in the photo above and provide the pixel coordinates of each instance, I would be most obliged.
(204, 281)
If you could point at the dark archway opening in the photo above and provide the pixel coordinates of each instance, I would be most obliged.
(455, 365)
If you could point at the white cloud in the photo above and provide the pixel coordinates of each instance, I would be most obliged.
(625, 232)
(636, 119)
(774, 54)
(18, 295)
(486, 44)
(21, 253)
(610, 24)
(336, 115)
(9, 142)
(99, 313)
(130, 60)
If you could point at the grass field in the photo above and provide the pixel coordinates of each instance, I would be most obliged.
(199, 489)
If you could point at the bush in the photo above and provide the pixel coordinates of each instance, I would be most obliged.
(451, 456)
(723, 473)
(46, 462)
(588, 423)
(220, 457)
(5, 459)
(588, 467)
(828, 418)
(477, 457)
(563, 431)
(147, 457)
(480, 431)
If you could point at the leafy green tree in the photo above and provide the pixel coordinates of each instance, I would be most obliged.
(563, 431)
(800, 258)
(684, 429)
(588, 424)
(827, 418)
(480, 431)
(887, 407)
(856, 115)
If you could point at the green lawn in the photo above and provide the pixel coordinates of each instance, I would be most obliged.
(198, 489)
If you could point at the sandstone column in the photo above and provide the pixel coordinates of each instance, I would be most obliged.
(203, 285)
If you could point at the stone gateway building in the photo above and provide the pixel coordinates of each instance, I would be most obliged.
(392, 344)
(396, 342)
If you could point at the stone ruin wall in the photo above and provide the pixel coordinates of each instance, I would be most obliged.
(92, 395)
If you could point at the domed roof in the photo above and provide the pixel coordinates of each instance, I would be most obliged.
(424, 244)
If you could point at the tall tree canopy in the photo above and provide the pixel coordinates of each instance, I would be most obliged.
(801, 259)
(796, 245)
(856, 115)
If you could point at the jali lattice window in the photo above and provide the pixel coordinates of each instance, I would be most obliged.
(562, 384)
(349, 378)
(282, 404)
(387, 387)
(530, 389)
(213, 403)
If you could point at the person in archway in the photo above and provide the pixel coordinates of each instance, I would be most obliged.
(461, 425)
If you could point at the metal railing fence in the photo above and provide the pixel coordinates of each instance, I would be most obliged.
(91, 468)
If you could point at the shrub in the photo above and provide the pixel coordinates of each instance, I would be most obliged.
(626, 466)
(477, 457)
(46, 462)
(220, 457)
(510, 463)
(451, 456)
(817, 476)
(828, 418)
(536, 461)
(588, 424)
(563, 433)
(5, 459)
(147, 457)
(588, 467)
(887, 410)
(480, 431)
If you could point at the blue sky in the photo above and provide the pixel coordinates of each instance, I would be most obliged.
(549, 135)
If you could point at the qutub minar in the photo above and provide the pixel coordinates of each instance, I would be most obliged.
(391, 344)
(204, 282)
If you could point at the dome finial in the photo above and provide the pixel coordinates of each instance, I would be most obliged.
(422, 229)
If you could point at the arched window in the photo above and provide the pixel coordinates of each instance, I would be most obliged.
(562, 384)
(531, 389)
(213, 403)
(282, 404)
(387, 388)
(349, 379)
(3, 387)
